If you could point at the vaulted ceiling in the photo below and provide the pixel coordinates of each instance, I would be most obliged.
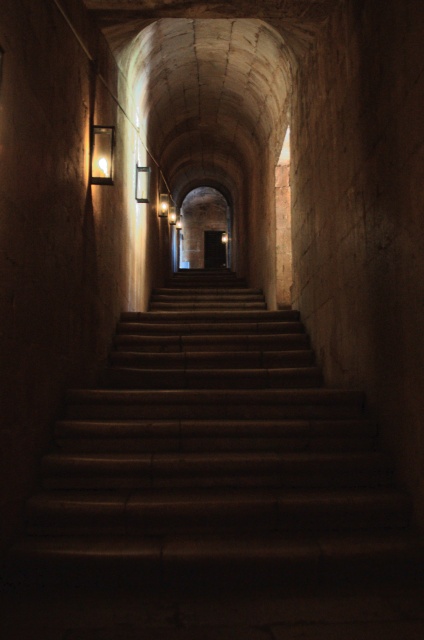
(212, 79)
(122, 19)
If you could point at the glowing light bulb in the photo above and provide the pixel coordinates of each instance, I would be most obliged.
(103, 165)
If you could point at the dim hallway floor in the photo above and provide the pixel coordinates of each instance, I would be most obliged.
(384, 611)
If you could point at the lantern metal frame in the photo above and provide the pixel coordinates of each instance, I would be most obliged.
(142, 175)
(163, 205)
(109, 150)
(172, 215)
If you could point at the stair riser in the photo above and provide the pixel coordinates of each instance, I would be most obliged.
(211, 284)
(211, 330)
(202, 361)
(211, 445)
(298, 481)
(205, 283)
(291, 429)
(147, 519)
(210, 317)
(121, 378)
(234, 298)
(199, 291)
(208, 436)
(191, 470)
(197, 344)
(209, 411)
(176, 306)
(192, 563)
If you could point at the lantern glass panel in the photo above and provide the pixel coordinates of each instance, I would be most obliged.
(163, 205)
(172, 217)
(102, 158)
(142, 184)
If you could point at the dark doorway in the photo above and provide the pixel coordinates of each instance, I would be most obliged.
(215, 250)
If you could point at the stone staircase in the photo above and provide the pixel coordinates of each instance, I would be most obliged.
(212, 451)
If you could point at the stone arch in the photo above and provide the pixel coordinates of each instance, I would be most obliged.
(204, 209)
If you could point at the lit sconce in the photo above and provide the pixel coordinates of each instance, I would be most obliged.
(142, 184)
(103, 139)
(163, 205)
(224, 238)
(172, 215)
(179, 224)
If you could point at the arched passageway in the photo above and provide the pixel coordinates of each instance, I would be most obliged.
(206, 216)
(213, 100)
(201, 95)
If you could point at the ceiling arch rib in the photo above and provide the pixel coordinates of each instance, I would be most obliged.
(212, 183)
(189, 178)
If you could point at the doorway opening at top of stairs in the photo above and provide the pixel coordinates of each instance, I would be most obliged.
(215, 250)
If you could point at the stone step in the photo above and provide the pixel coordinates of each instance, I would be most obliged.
(207, 297)
(209, 404)
(206, 271)
(215, 435)
(231, 291)
(209, 330)
(289, 378)
(167, 511)
(205, 283)
(211, 343)
(183, 561)
(201, 275)
(230, 470)
(210, 317)
(187, 306)
(218, 273)
(213, 360)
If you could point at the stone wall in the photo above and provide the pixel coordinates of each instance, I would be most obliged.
(70, 254)
(283, 258)
(261, 228)
(358, 199)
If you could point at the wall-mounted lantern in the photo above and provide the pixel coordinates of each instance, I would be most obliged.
(172, 215)
(103, 141)
(142, 184)
(163, 205)
(224, 238)
(179, 224)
